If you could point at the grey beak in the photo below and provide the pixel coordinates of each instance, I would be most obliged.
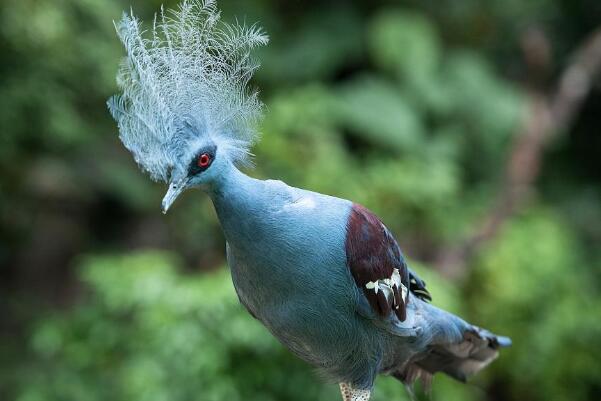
(175, 188)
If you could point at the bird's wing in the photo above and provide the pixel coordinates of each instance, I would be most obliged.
(377, 264)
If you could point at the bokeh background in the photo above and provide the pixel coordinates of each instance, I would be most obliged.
(471, 127)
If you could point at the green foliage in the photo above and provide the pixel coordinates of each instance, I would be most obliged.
(313, 47)
(145, 332)
(379, 112)
(532, 283)
(405, 43)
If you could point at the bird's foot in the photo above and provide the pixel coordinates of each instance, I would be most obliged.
(353, 394)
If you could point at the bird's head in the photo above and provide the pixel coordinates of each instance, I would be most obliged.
(199, 169)
(185, 112)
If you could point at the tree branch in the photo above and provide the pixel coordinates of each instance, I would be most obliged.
(547, 116)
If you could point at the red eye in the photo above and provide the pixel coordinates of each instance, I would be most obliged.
(204, 160)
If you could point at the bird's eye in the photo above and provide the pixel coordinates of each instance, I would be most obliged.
(203, 160)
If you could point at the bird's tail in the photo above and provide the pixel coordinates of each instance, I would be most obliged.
(466, 358)
(456, 348)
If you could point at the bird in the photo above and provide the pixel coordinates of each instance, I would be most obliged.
(323, 274)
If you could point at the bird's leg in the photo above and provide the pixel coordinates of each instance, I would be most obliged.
(345, 389)
(353, 394)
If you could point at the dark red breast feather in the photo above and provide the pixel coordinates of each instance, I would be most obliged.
(372, 255)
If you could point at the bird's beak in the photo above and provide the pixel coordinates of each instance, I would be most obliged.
(175, 188)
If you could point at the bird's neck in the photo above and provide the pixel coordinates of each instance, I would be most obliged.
(239, 203)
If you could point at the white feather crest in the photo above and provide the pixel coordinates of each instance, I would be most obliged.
(183, 80)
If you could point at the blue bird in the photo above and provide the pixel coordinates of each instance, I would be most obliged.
(323, 274)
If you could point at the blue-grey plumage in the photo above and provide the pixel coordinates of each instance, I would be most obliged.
(323, 274)
(286, 249)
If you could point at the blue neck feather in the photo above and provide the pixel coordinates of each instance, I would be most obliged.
(238, 203)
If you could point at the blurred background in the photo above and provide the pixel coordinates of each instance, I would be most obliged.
(472, 128)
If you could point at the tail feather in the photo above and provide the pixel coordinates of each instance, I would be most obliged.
(449, 345)
(466, 358)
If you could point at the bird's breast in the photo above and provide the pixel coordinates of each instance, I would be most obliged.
(292, 258)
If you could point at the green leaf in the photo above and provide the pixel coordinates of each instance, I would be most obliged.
(405, 43)
(378, 111)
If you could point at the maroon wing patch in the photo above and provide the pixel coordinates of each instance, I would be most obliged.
(376, 263)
